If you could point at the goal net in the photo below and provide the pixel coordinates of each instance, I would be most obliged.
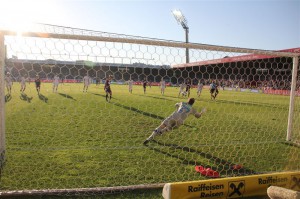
(62, 130)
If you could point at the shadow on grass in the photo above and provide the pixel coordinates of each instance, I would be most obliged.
(160, 98)
(24, 97)
(260, 104)
(67, 96)
(98, 94)
(137, 111)
(224, 167)
(7, 98)
(43, 98)
(112, 98)
(289, 143)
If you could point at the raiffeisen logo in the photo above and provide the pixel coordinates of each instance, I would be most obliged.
(272, 180)
(208, 190)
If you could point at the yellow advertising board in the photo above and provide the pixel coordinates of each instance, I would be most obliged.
(234, 187)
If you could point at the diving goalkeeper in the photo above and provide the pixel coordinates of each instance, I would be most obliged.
(176, 119)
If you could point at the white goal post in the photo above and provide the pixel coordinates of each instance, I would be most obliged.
(2, 102)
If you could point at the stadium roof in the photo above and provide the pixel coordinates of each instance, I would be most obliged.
(248, 57)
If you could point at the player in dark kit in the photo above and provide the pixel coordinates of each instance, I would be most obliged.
(188, 88)
(37, 84)
(145, 85)
(108, 89)
(213, 87)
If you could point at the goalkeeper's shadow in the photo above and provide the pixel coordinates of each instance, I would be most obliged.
(224, 167)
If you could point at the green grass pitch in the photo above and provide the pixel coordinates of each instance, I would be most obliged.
(72, 139)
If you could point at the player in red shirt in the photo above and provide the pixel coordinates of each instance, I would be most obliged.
(108, 89)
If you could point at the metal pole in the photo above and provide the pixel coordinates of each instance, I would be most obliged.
(292, 98)
(2, 100)
(187, 49)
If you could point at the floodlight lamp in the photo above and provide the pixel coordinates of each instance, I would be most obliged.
(180, 18)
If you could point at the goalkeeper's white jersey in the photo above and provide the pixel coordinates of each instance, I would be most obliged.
(183, 111)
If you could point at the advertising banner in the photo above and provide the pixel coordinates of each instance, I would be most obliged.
(234, 187)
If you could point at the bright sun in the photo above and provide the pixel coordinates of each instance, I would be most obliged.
(20, 15)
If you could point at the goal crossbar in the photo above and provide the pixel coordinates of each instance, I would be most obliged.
(151, 42)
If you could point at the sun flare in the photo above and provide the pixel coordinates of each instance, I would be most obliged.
(21, 15)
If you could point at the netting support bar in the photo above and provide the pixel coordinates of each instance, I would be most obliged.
(80, 191)
(2, 101)
(292, 98)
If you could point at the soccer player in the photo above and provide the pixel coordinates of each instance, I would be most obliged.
(188, 87)
(176, 119)
(55, 83)
(37, 84)
(162, 86)
(213, 90)
(8, 83)
(145, 85)
(181, 89)
(199, 88)
(108, 89)
(23, 84)
(86, 83)
(130, 85)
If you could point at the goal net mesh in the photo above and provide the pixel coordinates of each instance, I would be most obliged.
(67, 138)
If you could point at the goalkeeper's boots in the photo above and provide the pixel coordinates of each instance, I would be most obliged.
(155, 133)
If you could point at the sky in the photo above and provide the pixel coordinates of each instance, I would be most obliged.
(256, 24)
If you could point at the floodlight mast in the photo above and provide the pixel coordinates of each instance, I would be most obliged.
(180, 18)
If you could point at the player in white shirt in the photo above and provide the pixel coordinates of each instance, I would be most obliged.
(199, 88)
(130, 85)
(86, 83)
(176, 119)
(162, 86)
(8, 82)
(55, 83)
(23, 84)
(182, 87)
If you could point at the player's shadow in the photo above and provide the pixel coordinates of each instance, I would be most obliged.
(160, 98)
(103, 96)
(43, 98)
(24, 97)
(224, 167)
(7, 98)
(98, 94)
(67, 96)
(137, 110)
